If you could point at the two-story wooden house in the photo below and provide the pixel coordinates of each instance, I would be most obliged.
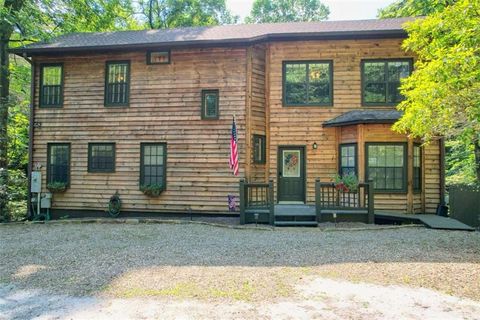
(115, 111)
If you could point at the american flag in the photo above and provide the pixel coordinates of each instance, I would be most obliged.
(233, 161)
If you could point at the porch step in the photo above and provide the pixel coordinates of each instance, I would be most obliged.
(295, 215)
(296, 223)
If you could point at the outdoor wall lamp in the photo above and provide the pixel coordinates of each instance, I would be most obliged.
(314, 146)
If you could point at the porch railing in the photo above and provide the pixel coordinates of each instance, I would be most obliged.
(256, 202)
(329, 201)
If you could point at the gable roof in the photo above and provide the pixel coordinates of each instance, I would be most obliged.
(364, 116)
(219, 35)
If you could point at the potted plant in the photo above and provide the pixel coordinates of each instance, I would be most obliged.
(152, 190)
(346, 183)
(57, 186)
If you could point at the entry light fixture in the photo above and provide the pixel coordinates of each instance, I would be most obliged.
(314, 146)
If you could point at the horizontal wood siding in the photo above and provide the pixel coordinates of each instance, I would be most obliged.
(302, 126)
(257, 114)
(164, 107)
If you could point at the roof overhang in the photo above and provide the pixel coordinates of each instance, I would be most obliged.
(364, 117)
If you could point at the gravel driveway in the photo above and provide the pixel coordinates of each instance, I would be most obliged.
(116, 271)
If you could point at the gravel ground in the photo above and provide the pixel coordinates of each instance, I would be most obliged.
(104, 265)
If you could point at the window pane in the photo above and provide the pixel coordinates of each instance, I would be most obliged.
(211, 105)
(116, 90)
(319, 83)
(52, 75)
(374, 71)
(386, 166)
(160, 57)
(153, 164)
(59, 163)
(380, 87)
(102, 157)
(295, 83)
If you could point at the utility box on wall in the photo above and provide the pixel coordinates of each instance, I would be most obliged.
(36, 186)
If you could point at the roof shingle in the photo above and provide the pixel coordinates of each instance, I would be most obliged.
(225, 34)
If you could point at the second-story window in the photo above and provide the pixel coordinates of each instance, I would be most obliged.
(117, 83)
(381, 81)
(307, 83)
(210, 104)
(51, 85)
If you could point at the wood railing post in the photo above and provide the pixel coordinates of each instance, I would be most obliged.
(318, 199)
(242, 201)
(371, 204)
(271, 203)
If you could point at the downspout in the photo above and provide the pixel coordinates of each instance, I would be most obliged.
(442, 171)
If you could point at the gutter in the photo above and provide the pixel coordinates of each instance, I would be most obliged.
(338, 35)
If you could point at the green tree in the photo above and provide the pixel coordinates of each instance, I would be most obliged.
(413, 8)
(267, 11)
(23, 21)
(162, 14)
(442, 96)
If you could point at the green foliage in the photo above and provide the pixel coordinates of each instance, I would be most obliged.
(161, 14)
(346, 183)
(57, 186)
(152, 190)
(460, 161)
(413, 8)
(442, 96)
(17, 195)
(268, 11)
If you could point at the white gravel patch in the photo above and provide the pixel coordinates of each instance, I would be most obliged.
(316, 298)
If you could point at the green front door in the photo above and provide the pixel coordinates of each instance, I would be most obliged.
(291, 174)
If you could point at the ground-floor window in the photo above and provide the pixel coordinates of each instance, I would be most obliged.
(259, 150)
(153, 160)
(348, 159)
(387, 166)
(417, 167)
(101, 157)
(58, 163)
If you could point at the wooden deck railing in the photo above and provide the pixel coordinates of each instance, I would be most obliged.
(256, 202)
(329, 200)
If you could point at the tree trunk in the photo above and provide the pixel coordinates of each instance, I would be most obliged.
(6, 30)
(4, 101)
(476, 143)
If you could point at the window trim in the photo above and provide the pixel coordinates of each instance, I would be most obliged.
(263, 151)
(89, 159)
(140, 180)
(420, 186)
(119, 105)
(49, 144)
(355, 145)
(363, 82)
(40, 85)
(149, 55)
(284, 80)
(405, 165)
(202, 108)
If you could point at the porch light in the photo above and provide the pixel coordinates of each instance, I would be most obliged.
(314, 146)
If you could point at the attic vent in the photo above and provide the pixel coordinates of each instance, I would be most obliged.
(158, 57)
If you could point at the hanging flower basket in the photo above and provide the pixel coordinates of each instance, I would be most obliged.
(346, 183)
(151, 190)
